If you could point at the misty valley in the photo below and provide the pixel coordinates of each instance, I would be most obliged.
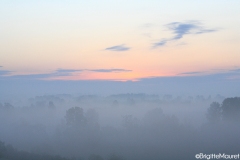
(118, 127)
(119, 79)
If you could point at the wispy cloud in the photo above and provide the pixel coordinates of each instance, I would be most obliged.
(192, 27)
(110, 70)
(181, 29)
(230, 74)
(190, 73)
(65, 72)
(71, 71)
(68, 70)
(160, 43)
(118, 48)
(32, 76)
(58, 73)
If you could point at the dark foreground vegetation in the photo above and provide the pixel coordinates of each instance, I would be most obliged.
(7, 152)
(120, 127)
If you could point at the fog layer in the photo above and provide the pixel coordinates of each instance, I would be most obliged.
(124, 126)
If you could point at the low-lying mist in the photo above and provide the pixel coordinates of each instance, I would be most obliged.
(123, 126)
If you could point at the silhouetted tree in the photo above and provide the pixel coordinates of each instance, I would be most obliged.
(51, 105)
(231, 109)
(228, 111)
(214, 112)
(75, 117)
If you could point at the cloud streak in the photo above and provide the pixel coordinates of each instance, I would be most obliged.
(190, 73)
(181, 29)
(58, 73)
(161, 43)
(118, 48)
(65, 72)
(110, 70)
(68, 70)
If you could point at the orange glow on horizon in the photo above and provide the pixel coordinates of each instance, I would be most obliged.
(113, 76)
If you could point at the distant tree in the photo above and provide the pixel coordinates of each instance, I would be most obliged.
(8, 106)
(231, 109)
(51, 105)
(75, 117)
(214, 112)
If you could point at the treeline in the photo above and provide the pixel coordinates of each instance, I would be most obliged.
(7, 152)
(229, 110)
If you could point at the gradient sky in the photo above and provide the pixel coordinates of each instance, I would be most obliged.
(118, 40)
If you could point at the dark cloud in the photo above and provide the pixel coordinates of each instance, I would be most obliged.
(118, 48)
(110, 70)
(180, 29)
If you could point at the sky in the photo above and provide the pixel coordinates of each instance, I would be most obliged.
(119, 40)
